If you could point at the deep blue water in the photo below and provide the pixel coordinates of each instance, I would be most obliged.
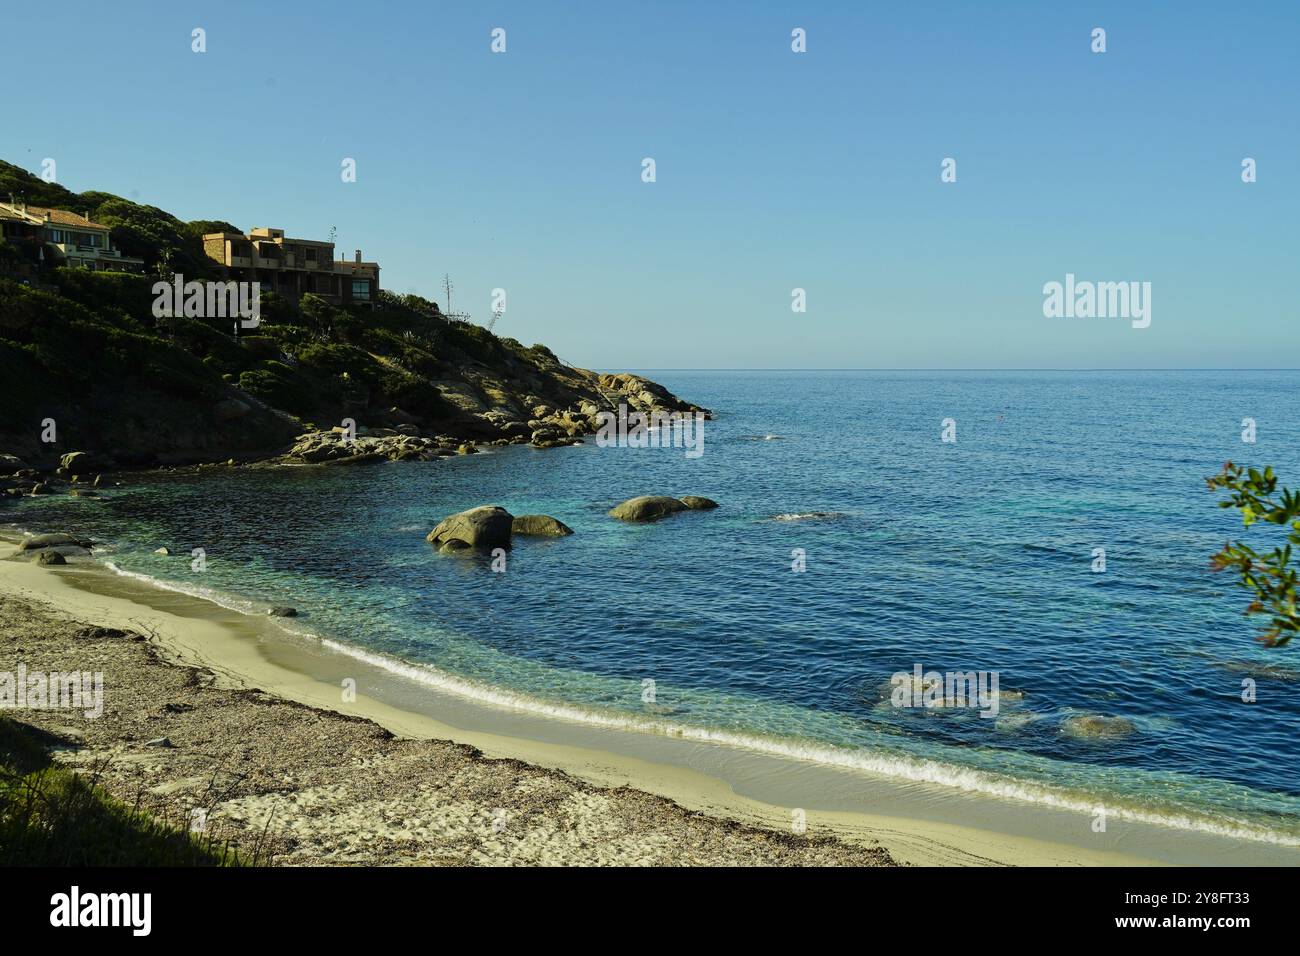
(968, 556)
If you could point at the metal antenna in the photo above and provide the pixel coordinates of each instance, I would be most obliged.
(448, 314)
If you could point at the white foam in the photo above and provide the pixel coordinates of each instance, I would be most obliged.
(220, 598)
(916, 769)
(808, 515)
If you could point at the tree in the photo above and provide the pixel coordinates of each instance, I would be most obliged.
(1269, 576)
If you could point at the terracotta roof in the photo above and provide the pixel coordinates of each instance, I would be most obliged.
(11, 212)
(60, 217)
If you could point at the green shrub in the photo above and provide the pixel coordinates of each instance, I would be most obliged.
(414, 395)
(131, 295)
(279, 385)
(332, 357)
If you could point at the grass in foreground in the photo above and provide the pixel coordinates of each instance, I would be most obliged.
(52, 816)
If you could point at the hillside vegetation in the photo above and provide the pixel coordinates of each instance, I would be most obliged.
(85, 350)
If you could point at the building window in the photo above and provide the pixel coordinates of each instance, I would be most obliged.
(311, 255)
(360, 289)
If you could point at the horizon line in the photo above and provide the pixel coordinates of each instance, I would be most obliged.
(953, 369)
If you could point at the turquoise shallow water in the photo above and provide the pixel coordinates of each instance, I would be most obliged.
(968, 556)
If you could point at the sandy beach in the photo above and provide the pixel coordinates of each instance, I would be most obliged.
(260, 737)
(333, 788)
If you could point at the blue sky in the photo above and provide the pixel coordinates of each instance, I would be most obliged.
(775, 170)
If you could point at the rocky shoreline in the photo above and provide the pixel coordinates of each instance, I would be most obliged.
(513, 420)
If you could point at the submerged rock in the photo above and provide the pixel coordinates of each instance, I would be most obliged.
(539, 525)
(808, 515)
(282, 612)
(1097, 726)
(487, 526)
(1011, 723)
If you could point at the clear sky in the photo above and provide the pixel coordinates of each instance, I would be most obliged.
(775, 170)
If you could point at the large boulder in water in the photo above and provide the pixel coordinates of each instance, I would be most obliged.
(487, 526)
(79, 463)
(50, 556)
(646, 508)
(540, 525)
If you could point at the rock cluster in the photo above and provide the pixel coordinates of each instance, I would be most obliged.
(491, 526)
(334, 447)
(76, 474)
(547, 405)
(506, 411)
(55, 549)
